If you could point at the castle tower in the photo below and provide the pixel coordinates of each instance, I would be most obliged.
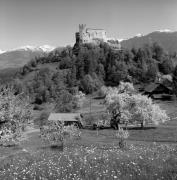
(82, 28)
(82, 32)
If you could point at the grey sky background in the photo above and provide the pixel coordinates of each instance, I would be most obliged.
(54, 22)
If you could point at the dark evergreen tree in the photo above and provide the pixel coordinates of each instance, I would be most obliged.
(166, 67)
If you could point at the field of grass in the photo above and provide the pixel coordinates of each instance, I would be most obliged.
(91, 157)
(151, 153)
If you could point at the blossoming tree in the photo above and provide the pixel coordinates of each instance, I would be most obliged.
(128, 107)
(15, 113)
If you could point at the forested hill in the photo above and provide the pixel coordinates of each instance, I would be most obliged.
(45, 78)
(167, 39)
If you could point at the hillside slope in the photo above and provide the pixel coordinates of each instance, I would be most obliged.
(168, 40)
(18, 58)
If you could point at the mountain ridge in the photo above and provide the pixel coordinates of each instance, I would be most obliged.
(18, 57)
(44, 48)
(166, 38)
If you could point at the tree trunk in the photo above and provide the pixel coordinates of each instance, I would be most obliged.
(142, 124)
(117, 126)
(126, 124)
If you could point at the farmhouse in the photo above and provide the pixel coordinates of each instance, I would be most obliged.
(162, 88)
(158, 90)
(67, 118)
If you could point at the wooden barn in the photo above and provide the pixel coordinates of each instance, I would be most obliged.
(67, 118)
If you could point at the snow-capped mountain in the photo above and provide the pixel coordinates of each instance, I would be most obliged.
(165, 30)
(120, 40)
(2, 51)
(44, 48)
(47, 48)
(18, 57)
(139, 35)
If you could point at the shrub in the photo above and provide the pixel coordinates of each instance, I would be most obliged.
(103, 91)
(72, 131)
(89, 83)
(166, 67)
(43, 118)
(89, 119)
(64, 102)
(122, 135)
(68, 102)
(78, 99)
(7, 138)
(55, 133)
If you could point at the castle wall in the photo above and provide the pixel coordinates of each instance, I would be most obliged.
(96, 34)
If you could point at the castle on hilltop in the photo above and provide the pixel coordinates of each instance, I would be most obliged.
(88, 35)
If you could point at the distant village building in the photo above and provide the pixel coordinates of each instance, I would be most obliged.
(88, 35)
(160, 89)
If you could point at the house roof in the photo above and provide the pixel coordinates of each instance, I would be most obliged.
(64, 117)
(153, 86)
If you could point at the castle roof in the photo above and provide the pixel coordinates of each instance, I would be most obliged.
(95, 29)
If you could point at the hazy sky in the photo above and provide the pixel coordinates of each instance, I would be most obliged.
(54, 22)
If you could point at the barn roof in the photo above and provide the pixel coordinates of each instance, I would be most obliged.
(64, 117)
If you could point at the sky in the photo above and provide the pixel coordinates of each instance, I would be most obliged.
(54, 22)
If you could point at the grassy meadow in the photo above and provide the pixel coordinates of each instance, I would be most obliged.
(151, 153)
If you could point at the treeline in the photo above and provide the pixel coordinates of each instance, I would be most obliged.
(91, 67)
